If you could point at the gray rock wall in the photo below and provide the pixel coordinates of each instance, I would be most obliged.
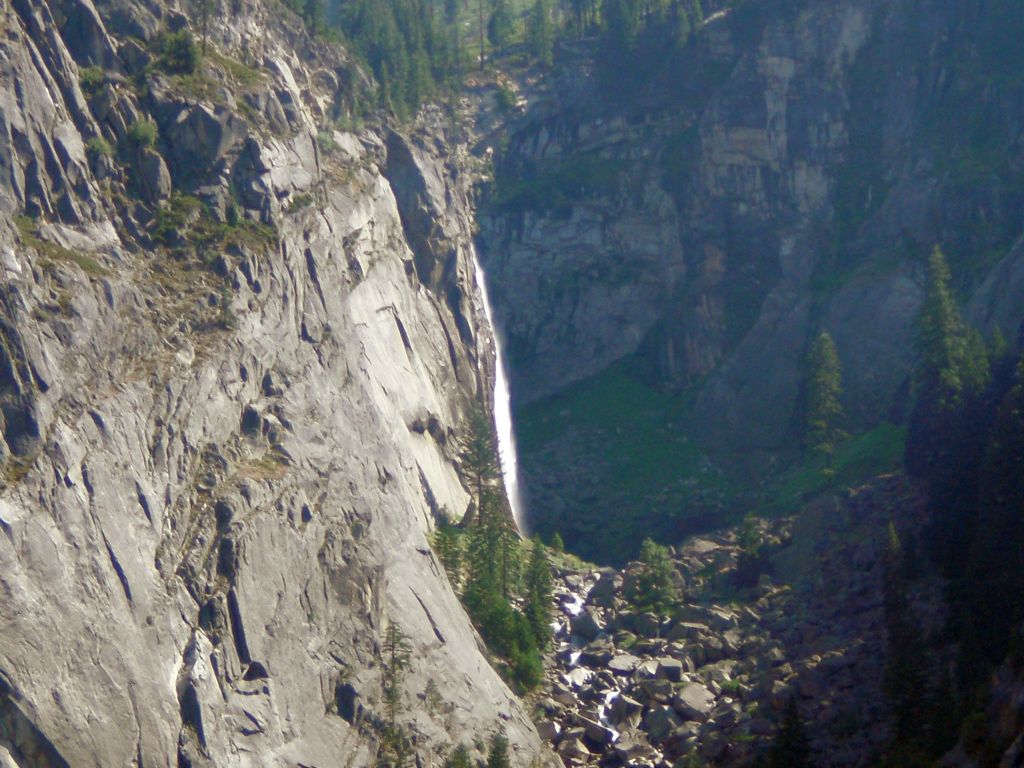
(789, 175)
(225, 435)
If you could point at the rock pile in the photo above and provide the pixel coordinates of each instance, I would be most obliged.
(711, 679)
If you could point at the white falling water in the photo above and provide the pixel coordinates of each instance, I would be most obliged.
(502, 409)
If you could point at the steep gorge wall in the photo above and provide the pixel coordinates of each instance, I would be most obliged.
(788, 174)
(227, 427)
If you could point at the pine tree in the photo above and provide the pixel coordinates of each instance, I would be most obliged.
(509, 554)
(497, 753)
(540, 33)
(459, 758)
(824, 411)
(396, 653)
(480, 458)
(953, 356)
(557, 545)
(313, 14)
(697, 12)
(204, 20)
(791, 749)
(448, 545)
(683, 29)
(538, 594)
(499, 28)
(904, 677)
(996, 567)
(653, 589)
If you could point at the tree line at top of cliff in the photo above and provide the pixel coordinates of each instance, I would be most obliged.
(419, 50)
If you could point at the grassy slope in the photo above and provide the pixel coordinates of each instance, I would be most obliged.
(654, 478)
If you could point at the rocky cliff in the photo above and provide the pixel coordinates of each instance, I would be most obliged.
(237, 348)
(786, 173)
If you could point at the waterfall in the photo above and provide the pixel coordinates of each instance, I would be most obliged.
(502, 408)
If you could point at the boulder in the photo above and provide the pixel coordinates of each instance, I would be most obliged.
(597, 733)
(604, 591)
(623, 664)
(549, 730)
(573, 748)
(670, 669)
(587, 624)
(654, 690)
(688, 630)
(154, 178)
(694, 701)
(660, 721)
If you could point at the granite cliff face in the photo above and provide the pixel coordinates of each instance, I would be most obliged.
(236, 354)
(789, 176)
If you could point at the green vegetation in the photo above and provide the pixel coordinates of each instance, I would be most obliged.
(459, 758)
(540, 33)
(649, 477)
(28, 233)
(179, 54)
(412, 54)
(497, 752)
(823, 413)
(652, 589)
(186, 223)
(91, 79)
(485, 559)
(396, 748)
(878, 450)
(552, 187)
(538, 594)
(792, 748)
(97, 146)
(142, 135)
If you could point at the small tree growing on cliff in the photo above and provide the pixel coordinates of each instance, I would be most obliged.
(538, 594)
(653, 589)
(480, 459)
(824, 413)
(448, 546)
(497, 753)
(791, 748)
(396, 654)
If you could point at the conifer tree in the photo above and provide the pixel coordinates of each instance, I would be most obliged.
(480, 459)
(538, 594)
(448, 545)
(459, 758)
(953, 357)
(996, 566)
(824, 412)
(697, 12)
(904, 677)
(497, 753)
(653, 589)
(499, 28)
(792, 748)
(396, 653)
(557, 545)
(540, 33)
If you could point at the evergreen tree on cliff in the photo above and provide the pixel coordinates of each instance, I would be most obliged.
(791, 748)
(996, 567)
(952, 358)
(904, 679)
(652, 590)
(824, 412)
(480, 458)
(540, 33)
(538, 594)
